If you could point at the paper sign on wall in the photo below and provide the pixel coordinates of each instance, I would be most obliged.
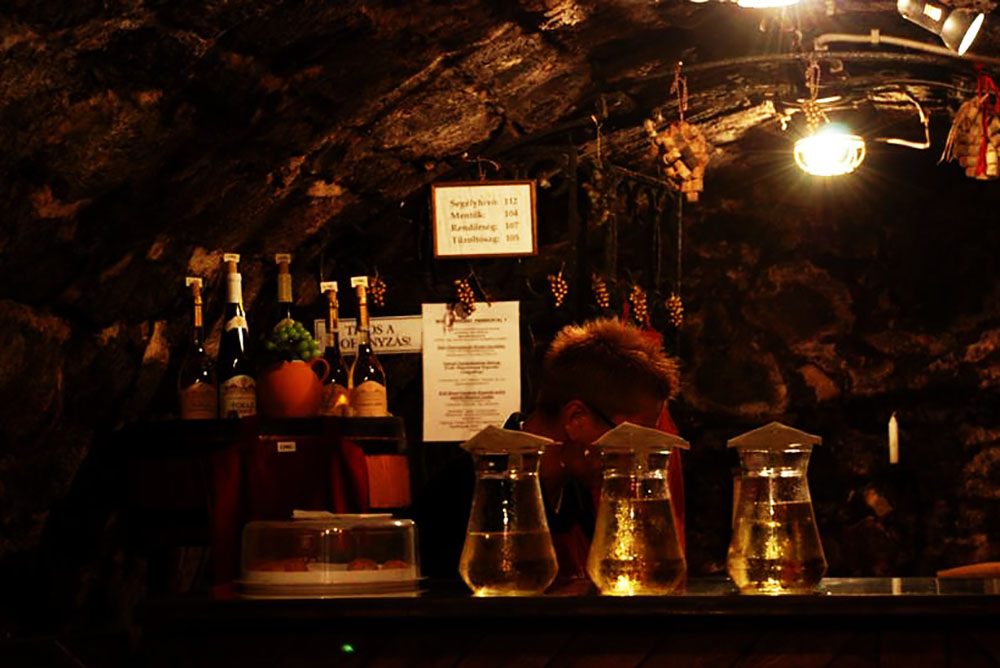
(484, 218)
(390, 334)
(472, 369)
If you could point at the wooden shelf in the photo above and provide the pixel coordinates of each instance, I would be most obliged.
(195, 437)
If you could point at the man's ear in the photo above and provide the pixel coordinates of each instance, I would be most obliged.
(574, 418)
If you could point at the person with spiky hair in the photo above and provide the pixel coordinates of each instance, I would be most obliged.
(594, 376)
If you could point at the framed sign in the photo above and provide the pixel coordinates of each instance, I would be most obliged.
(477, 218)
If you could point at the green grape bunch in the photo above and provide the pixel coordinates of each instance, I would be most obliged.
(290, 340)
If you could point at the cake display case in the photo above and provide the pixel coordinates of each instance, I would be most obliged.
(323, 555)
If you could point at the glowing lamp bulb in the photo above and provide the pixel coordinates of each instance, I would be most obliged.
(829, 152)
(759, 4)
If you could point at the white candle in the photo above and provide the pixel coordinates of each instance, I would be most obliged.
(893, 440)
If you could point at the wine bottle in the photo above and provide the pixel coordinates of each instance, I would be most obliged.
(336, 395)
(237, 388)
(368, 397)
(284, 289)
(196, 386)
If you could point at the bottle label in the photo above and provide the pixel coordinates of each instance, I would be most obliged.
(199, 402)
(336, 400)
(368, 399)
(236, 322)
(239, 397)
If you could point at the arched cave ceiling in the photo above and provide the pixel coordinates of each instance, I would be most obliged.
(139, 139)
(128, 123)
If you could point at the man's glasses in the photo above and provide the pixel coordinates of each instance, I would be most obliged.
(597, 412)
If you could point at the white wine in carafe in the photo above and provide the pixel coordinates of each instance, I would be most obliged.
(776, 549)
(635, 548)
(512, 563)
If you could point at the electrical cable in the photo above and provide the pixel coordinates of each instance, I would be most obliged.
(875, 38)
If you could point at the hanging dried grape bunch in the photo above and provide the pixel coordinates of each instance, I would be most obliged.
(600, 290)
(675, 309)
(376, 291)
(466, 297)
(814, 114)
(640, 309)
(601, 191)
(559, 287)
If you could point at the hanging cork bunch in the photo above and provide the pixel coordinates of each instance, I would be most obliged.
(465, 296)
(682, 152)
(600, 289)
(974, 139)
(376, 290)
(681, 148)
(640, 307)
(558, 287)
(675, 309)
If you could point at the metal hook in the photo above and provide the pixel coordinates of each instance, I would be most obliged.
(479, 160)
(597, 126)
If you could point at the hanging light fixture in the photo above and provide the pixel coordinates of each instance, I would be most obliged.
(830, 152)
(957, 28)
(758, 4)
(765, 4)
(827, 149)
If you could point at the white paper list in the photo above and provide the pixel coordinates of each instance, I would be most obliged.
(472, 369)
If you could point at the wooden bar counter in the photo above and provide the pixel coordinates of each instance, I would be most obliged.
(847, 623)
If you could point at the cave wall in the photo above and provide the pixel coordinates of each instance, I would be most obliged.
(834, 305)
(141, 139)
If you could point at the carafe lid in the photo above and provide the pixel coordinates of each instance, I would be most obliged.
(774, 436)
(628, 437)
(503, 441)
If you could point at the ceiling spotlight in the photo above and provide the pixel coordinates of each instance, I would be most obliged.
(957, 28)
(829, 152)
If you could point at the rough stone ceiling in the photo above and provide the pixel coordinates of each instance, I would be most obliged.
(286, 116)
(743, 65)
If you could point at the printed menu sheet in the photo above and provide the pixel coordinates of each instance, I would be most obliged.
(472, 369)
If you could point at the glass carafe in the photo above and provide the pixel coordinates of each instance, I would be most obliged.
(508, 549)
(635, 549)
(775, 548)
